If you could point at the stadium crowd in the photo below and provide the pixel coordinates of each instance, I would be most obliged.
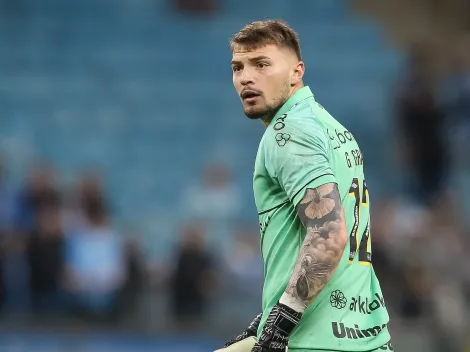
(59, 252)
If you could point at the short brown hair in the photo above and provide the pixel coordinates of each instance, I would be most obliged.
(260, 33)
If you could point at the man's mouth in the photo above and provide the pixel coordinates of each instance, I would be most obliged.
(249, 94)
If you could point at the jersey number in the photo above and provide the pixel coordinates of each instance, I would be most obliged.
(364, 248)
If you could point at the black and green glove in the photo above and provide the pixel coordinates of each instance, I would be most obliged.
(279, 325)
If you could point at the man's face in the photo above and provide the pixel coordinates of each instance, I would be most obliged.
(263, 78)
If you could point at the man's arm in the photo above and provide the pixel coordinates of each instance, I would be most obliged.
(322, 214)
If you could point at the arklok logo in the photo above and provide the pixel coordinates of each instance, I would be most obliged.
(366, 306)
(357, 304)
(337, 299)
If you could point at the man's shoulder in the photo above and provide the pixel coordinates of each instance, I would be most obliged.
(300, 118)
(299, 124)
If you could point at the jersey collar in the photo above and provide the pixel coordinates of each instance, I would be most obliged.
(302, 94)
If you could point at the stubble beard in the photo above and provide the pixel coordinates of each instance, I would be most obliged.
(268, 112)
(254, 113)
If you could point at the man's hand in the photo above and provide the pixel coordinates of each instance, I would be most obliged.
(250, 331)
(275, 336)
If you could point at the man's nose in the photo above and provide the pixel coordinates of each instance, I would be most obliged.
(247, 77)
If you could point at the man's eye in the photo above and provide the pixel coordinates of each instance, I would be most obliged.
(236, 68)
(261, 64)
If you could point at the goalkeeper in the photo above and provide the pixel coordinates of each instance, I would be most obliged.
(320, 291)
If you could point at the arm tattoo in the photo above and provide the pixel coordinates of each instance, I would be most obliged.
(321, 212)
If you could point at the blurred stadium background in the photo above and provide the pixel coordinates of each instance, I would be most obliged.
(126, 166)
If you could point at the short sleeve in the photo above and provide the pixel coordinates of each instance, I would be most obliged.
(300, 159)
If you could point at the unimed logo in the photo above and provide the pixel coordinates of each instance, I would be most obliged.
(342, 332)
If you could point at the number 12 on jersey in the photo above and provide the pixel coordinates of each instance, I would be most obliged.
(363, 248)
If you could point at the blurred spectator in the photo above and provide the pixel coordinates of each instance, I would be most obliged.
(456, 101)
(420, 124)
(414, 290)
(46, 261)
(193, 278)
(95, 264)
(6, 222)
(135, 278)
(7, 203)
(216, 201)
(216, 197)
(39, 192)
(420, 255)
(90, 188)
(244, 263)
(89, 191)
(73, 217)
(446, 260)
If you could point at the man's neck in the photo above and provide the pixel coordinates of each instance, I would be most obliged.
(267, 119)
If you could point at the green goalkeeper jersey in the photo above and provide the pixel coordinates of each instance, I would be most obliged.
(305, 147)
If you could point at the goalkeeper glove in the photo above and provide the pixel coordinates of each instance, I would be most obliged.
(250, 331)
(275, 335)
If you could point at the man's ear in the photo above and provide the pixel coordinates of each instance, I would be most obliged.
(298, 73)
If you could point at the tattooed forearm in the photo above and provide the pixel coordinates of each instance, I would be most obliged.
(321, 212)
